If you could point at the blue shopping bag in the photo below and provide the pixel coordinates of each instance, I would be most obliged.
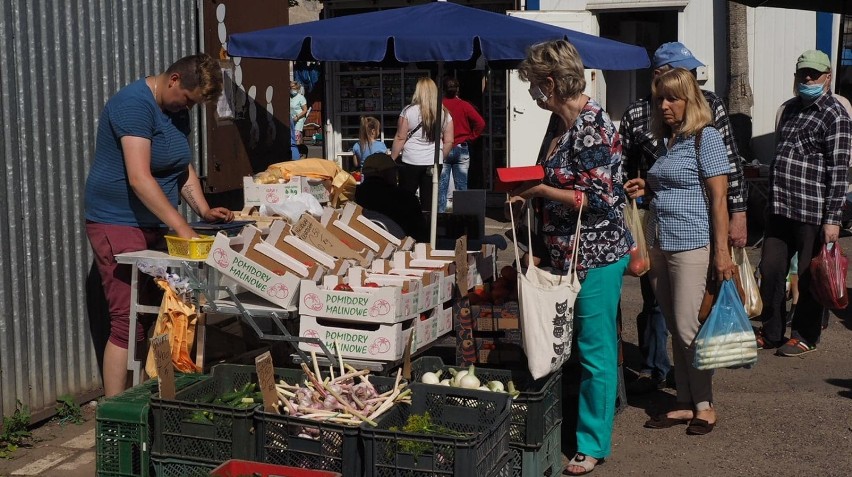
(726, 340)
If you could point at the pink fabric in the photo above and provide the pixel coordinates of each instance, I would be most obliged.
(108, 241)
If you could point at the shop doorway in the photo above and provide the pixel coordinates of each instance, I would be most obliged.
(648, 29)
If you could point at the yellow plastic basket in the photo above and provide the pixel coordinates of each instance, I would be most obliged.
(196, 248)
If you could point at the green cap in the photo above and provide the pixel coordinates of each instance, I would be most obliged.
(814, 59)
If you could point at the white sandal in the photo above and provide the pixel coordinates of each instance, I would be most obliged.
(580, 460)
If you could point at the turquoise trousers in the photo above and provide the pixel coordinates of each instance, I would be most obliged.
(596, 337)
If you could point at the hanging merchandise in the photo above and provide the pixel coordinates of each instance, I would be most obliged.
(307, 73)
(726, 339)
(178, 319)
(546, 301)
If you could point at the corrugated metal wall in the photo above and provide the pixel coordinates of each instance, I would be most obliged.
(60, 63)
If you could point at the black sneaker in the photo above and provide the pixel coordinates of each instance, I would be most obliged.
(645, 384)
(795, 347)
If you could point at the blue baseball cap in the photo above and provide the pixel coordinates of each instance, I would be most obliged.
(675, 55)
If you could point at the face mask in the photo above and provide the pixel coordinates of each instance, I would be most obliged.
(810, 92)
(293, 93)
(537, 95)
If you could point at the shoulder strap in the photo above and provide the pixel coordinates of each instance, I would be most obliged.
(411, 133)
(698, 149)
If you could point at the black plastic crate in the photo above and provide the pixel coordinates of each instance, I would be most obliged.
(171, 467)
(283, 440)
(123, 425)
(544, 460)
(484, 415)
(535, 412)
(230, 432)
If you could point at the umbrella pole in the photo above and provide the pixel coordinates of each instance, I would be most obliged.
(433, 212)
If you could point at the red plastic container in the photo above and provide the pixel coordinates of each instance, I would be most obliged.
(239, 468)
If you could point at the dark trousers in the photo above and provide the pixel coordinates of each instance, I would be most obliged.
(412, 178)
(785, 237)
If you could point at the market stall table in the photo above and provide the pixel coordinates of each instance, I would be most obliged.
(133, 259)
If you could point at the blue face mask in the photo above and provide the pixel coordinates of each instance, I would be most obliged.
(810, 92)
(293, 93)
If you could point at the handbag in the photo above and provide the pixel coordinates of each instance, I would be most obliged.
(828, 277)
(751, 290)
(727, 339)
(546, 303)
(640, 259)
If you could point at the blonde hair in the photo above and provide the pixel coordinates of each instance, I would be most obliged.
(426, 96)
(558, 60)
(679, 83)
(369, 124)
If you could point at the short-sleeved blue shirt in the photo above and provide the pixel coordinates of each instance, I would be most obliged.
(372, 148)
(134, 112)
(679, 217)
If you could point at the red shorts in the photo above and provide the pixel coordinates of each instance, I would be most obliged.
(107, 242)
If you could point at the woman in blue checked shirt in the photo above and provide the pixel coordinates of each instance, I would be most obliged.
(688, 225)
(582, 166)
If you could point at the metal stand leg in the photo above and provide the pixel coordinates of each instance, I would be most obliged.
(134, 366)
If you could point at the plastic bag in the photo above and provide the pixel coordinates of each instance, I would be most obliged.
(178, 320)
(828, 277)
(640, 259)
(726, 340)
(294, 207)
(751, 290)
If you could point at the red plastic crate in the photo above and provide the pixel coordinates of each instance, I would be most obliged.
(235, 468)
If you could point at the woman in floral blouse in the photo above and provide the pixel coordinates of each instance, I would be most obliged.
(583, 166)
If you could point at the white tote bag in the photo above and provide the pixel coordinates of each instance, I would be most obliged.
(546, 302)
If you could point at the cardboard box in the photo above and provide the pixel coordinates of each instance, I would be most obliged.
(426, 330)
(381, 342)
(275, 259)
(445, 320)
(357, 231)
(385, 304)
(312, 231)
(402, 264)
(226, 257)
(490, 317)
(273, 194)
(481, 264)
(281, 237)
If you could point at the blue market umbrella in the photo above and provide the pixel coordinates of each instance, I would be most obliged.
(439, 32)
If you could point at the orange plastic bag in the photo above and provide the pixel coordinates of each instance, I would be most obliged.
(178, 320)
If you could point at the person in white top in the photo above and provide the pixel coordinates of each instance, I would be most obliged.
(415, 140)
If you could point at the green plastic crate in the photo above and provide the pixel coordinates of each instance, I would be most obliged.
(229, 435)
(122, 429)
(535, 413)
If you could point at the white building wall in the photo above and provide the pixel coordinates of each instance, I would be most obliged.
(777, 37)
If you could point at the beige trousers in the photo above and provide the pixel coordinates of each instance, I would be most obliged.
(679, 280)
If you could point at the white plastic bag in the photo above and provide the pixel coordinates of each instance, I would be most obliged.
(546, 301)
(294, 207)
(752, 301)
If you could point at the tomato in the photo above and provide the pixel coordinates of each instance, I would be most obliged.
(343, 287)
(371, 285)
